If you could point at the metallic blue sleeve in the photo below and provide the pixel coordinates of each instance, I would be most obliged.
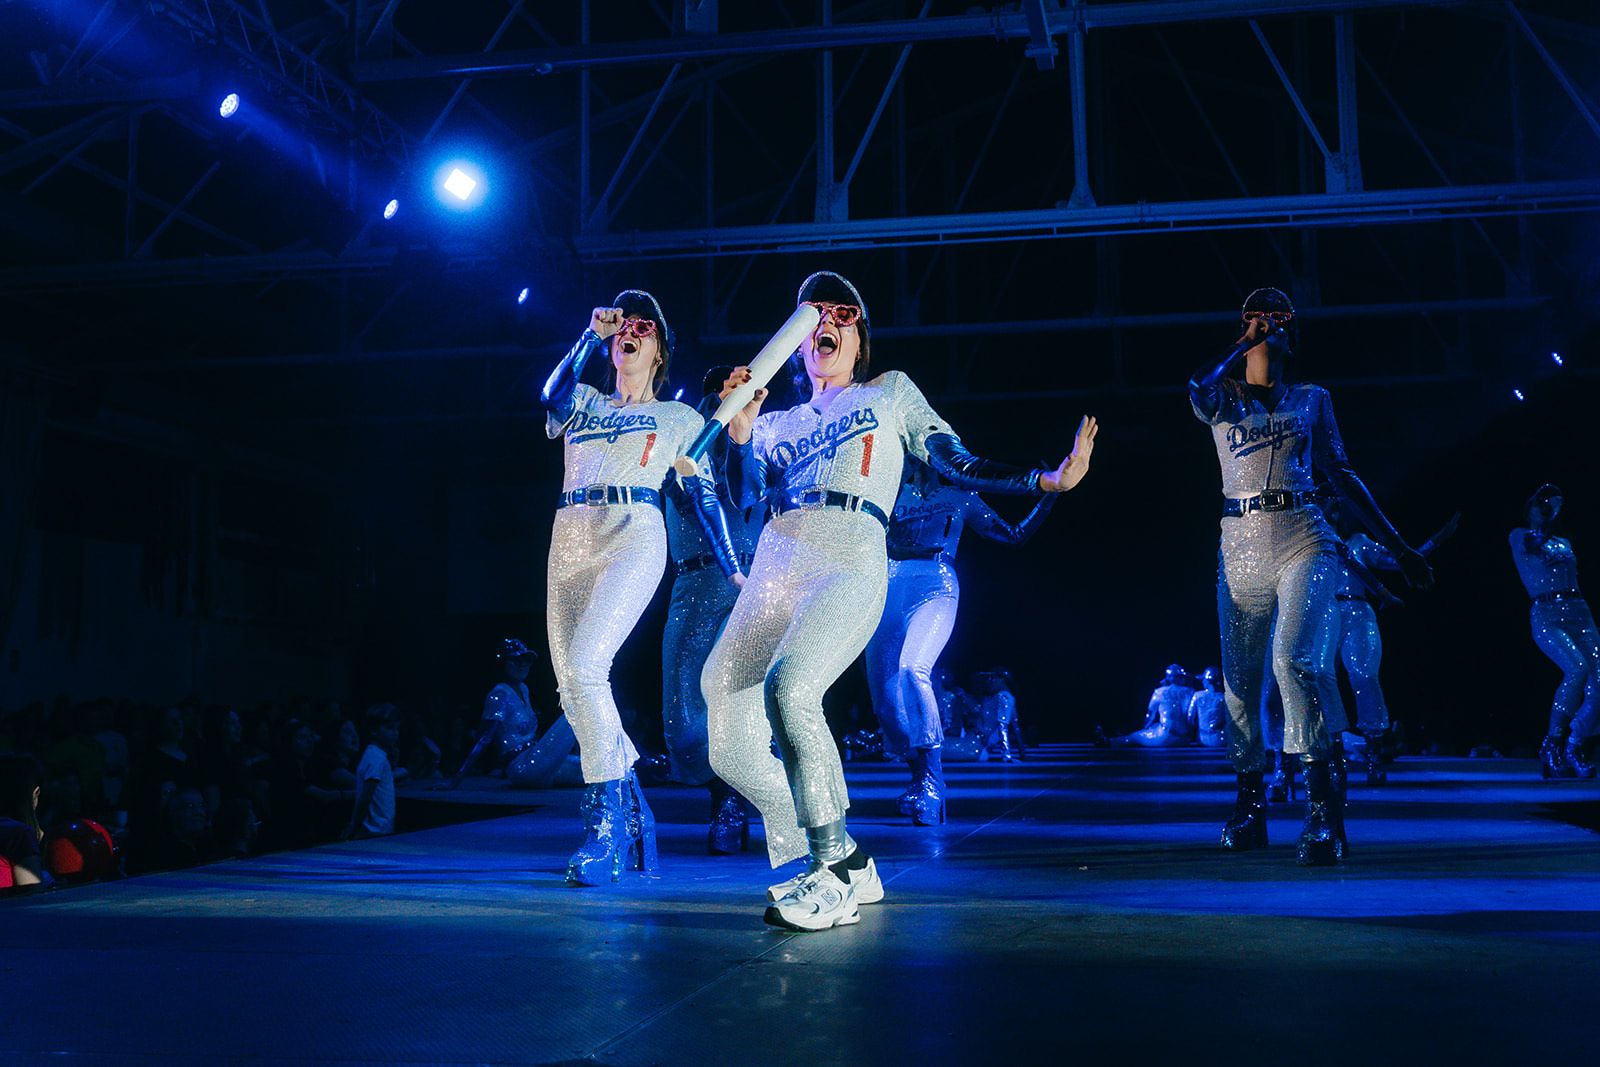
(746, 474)
(713, 520)
(992, 527)
(556, 395)
(959, 467)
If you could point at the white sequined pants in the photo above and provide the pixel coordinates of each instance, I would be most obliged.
(1280, 561)
(814, 596)
(605, 564)
(1565, 631)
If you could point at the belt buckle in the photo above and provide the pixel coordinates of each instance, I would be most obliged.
(811, 498)
(594, 496)
(1277, 500)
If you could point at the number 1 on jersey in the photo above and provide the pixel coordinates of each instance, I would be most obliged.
(866, 455)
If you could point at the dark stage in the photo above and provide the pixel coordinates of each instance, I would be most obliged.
(1075, 908)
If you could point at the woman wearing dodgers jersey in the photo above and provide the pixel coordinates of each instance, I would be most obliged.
(607, 554)
(830, 469)
(1278, 558)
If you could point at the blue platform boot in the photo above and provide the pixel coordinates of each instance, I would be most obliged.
(605, 850)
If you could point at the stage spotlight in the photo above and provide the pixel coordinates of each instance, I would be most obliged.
(1556, 356)
(460, 185)
(678, 395)
(391, 209)
(229, 106)
(522, 297)
(1516, 394)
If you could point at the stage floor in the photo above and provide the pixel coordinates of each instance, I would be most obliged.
(1075, 908)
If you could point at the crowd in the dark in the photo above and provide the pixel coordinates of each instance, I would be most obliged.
(179, 785)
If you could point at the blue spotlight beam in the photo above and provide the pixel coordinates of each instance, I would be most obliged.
(1390, 206)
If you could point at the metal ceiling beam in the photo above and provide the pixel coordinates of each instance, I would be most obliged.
(1392, 206)
(999, 26)
(220, 270)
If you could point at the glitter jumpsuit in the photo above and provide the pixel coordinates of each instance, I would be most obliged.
(920, 611)
(1281, 561)
(702, 599)
(1563, 628)
(1167, 724)
(529, 764)
(1208, 710)
(606, 559)
(1359, 643)
(816, 588)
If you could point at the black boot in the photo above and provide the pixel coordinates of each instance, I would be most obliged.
(927, 797)
(1339, 769)
(1376, 739)
(729, 832)
(1281, 788)
(1580, 764)
(1246, 828)
(1319, 845)
(1553, 758)
(907, 801)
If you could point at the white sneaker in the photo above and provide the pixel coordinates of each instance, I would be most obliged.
(867, 884)
(819, 901)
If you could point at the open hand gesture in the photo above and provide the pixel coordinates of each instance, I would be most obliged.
(1075, 466)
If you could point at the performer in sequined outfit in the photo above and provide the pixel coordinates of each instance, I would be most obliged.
(1208, 710)
(830, 469)
(1278, 553)
(1166, 723)
(918, 617)
(1564, 630)
(607, 553)
(702, 599)
(1357, 637)
(508, 727)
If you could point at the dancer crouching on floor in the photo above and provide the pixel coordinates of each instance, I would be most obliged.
(1279, 553)
(830, 468)
(607, 554)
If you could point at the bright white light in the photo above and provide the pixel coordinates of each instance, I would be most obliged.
(1557, 357)
(391, 209)
(1517, 393)
(678, 395)
(460, 184)
(522, 297)
(230, 104)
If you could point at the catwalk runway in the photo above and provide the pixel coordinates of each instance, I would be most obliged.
(1076, 908)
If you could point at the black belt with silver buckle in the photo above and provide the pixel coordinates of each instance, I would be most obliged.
(808, 499)
(1271, 500)
(699, 563)
(598, 496)
(1558, 596)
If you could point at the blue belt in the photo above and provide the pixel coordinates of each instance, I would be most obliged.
(1271, 500)
(596, 496)
(809, 499)
(1558, 596)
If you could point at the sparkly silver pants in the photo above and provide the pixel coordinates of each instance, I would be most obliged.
(605, 564)
(1281, 562)
(1565, 632)
(700, 606)
(814, 596)
(1361, 649)
(918, 617)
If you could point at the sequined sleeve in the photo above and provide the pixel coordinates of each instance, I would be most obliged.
(745, 466)
(992, 527)
(494, 705)
(918, 420)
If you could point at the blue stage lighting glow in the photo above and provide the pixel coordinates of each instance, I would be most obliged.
(391, 209)
(522, 297)
(1517, 394)
(460, 184)
(229, 106)
(1556, 356)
